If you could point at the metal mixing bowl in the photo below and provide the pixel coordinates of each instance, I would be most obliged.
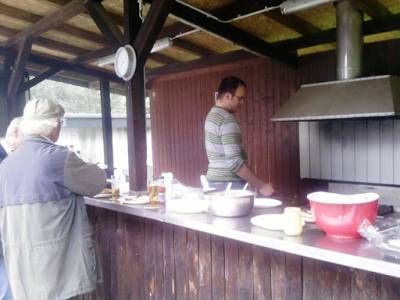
(236, 203)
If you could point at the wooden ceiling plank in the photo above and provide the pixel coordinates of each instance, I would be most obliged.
(292, 22)
(46, 43)
(205, 62)
(150, 29)
(372, 8)
(46, 23)
(96, 54)
(118, 19)
(163, 59)
(18, 72)
(58, 46)
(39, 78)
(231, 33)
(192, 47)
(374, 26)
(104, 22)
(174, 29)
(243, 7)
(64, 28)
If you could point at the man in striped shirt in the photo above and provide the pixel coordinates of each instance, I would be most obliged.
(226, 157)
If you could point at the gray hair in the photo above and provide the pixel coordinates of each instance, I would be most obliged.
(12, 130)
(38, 127)
(41, 117)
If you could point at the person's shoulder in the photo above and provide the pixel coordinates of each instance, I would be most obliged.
(218, 115)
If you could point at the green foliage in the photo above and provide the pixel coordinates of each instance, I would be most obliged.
(76, 99)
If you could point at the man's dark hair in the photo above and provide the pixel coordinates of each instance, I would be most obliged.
(229, 85)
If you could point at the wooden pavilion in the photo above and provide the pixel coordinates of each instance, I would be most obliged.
(274, 53)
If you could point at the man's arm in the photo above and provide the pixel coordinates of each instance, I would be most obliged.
(83, 178)
(266, 189)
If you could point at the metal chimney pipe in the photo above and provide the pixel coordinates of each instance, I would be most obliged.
(349, 40)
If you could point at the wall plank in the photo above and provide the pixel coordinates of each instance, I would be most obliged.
(361, 149)
(396, 154)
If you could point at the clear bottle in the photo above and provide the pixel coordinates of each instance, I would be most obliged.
(168, 181)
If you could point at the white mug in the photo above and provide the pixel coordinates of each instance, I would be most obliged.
(293, 223)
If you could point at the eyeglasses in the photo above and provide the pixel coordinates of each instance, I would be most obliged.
(241, 98)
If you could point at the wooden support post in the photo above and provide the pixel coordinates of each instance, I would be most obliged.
(143, 40)
(17, 75)
(9, 57)
(107, 124)
(137, 150)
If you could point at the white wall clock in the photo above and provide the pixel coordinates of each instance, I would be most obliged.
(125, 62)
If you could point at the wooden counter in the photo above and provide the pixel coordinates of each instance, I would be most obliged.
(146, 255)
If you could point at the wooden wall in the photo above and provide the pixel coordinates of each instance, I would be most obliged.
(144, 259)
(180, 102)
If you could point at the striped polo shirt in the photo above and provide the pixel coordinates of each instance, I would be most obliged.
(223, 145)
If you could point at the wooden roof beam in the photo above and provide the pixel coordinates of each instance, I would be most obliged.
(39, 78)
(231, 33)
(64, 28)
(17, 74)
(68, 66)
(104, 22)
(68, 11)
(372, 8)
(150, 29)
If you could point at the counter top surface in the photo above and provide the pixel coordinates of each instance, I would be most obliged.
(313, 243)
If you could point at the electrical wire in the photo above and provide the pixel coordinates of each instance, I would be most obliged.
(208, 15)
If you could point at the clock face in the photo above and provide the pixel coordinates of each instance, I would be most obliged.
(125, 62)
(122, 62)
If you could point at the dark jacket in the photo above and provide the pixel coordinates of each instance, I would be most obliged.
(3, 153)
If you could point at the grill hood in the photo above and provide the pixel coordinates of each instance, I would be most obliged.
(355, 98)
(349, 97)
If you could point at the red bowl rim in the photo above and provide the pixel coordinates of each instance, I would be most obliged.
(332, 198)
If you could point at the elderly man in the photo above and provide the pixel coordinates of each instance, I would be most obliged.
(7, 145)
(47, 240)
(10, 142)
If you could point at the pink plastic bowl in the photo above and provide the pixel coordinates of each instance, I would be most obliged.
(340, 215)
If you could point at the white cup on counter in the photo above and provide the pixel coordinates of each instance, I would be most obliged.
(293, 223)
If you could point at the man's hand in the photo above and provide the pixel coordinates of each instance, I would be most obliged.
(266, 189)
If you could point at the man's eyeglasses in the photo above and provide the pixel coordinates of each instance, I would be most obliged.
(242, 98)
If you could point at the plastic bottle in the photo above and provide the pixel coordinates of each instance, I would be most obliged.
(168, 180)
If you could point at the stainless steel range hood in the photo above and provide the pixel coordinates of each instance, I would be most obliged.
(356, 98)
(349, 97)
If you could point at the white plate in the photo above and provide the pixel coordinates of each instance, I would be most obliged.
(133, 200)
(268, 221)
(266, 202)
(102, 196)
